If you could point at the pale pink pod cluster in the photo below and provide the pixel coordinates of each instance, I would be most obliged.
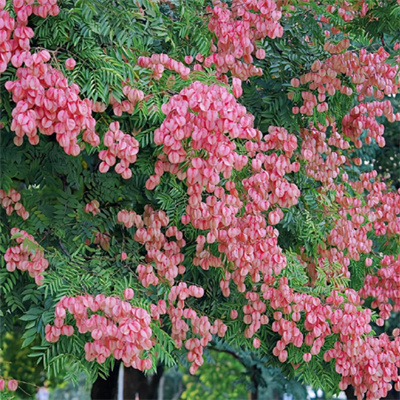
(348, 238)
(158, 62)
(254, 315)
(384, 287)
(44, 100)
(363, 118)
(130, 219)
(201, 326)
(103, 239)
(120, 145)
(25, 259)
(7, 45)
(52, 105)
(346, 11)
(322, 162)
(11, 202)
(15, 35)
(237, 28)
(92, 207)
(133, 96)
(162, 253)
(370, 72)
(207, 119)
(12, 385)
(117, 328)
(367, 363)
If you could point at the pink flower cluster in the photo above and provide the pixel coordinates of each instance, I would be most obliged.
(15, 34)
(120, 145)
(164, 254)
(349, 236)
(363, 118)
(130, 219)
(120, 330)
(212, 119)
(267, 186)
(25, 8)
(158, 62)
(201, 326)
(203, 114)
(133, 95)
(12, 385)
(348, 10)
(367, 363)
(92, 207)
(251, 247)
(386, 220)
(24, 258)
(368, 71)
(7, 45)
(289, 307)
(11, 202)
(237, 28)
(384, 287)
(337, 48)
(253, 314)
(103, 239)
(322, 163)
(46, 103)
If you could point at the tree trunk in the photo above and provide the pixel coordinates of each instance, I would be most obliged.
(137, 386)
(106, 389)
(253, 395)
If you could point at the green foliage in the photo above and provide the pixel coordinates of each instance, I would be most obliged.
(222, 377)
(106, 38)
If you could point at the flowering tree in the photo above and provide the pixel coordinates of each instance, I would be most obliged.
(175, 171)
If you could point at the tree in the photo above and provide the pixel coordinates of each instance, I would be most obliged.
(172, 171)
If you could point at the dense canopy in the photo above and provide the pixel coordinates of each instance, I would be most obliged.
(177, 171)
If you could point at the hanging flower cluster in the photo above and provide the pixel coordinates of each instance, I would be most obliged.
(44, 100)
(369, 72)
(159, 62)
(164, 254)
(322, 162)
(133, 96)
(46, 103)
(92, 207)
(204, 114)
(178, 312)
(115, 326)
(15, 35)
(212, 119)
(12, 385)
(363, 118)
(237, 28)
(11, 202)
(27, 256)
(384, 287)
(120, 145)
(130, 219)
(367, 363)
